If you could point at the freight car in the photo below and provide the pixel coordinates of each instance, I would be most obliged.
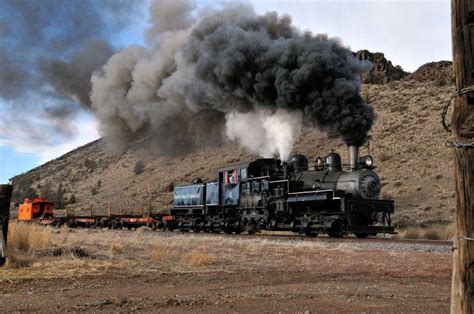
(268, 194)
(41, 210)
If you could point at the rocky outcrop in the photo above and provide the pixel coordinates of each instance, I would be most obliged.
(441, 73)
(382, 70)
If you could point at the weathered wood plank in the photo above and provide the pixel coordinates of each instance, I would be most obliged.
(462, 122)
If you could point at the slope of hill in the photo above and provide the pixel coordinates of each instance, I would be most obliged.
(407, 143)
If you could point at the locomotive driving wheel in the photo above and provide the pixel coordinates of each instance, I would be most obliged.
(250, 226)
(337, 229)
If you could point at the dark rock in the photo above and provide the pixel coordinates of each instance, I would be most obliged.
(382, 70)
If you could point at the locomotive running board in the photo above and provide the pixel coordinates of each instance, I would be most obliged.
(369, 205)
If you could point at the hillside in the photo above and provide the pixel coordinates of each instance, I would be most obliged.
(407, 143)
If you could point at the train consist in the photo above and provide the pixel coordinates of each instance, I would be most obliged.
(265, 194)
(268, 194)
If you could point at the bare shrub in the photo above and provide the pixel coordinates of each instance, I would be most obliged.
(159, 252)
(72, 199)
(25, 237)
(139, 167)
(15, 260)
(199, 257)
(94, 190)
(433, 232)
(143, 229)
(411, 233)
(441, 81)
(72, 251)
(116, 248)
(450, 231)
(90, 164)
(366, 97)
(23, 241)
(383, 156)
(386, 195)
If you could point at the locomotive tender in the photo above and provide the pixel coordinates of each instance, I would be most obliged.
(268, 194)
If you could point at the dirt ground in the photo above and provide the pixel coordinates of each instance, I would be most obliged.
(172, 272)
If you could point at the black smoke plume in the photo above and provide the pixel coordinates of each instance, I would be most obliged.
(259, 78)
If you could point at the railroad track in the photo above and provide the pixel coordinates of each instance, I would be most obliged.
(272, 235)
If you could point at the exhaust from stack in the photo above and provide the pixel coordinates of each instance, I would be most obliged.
(229, 74)
(203, 77)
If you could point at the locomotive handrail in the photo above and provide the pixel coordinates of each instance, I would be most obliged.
(256, 178)
(313, 191)
(277, 181)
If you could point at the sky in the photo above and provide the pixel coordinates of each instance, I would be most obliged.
(409, 33)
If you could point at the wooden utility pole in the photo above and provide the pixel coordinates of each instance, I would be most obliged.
(463, 130)
(5, 197)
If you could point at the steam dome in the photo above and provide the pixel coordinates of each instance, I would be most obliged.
(298, 162)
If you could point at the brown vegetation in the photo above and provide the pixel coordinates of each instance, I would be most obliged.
(116, 248)
(431, 232)
(199, 257)
(29, 245)
(28, 237)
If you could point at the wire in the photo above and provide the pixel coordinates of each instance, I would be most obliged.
(444, 113)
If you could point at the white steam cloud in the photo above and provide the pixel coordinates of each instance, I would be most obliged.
(264, 132)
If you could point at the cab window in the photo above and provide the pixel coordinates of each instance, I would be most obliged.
(255, 187)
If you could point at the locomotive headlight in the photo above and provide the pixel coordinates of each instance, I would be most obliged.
(366, 161)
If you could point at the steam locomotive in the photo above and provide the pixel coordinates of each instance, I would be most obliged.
(267, 194)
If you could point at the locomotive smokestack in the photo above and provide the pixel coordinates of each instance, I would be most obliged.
(353, 152)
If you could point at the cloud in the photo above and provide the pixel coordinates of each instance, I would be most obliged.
(410, 33)
(36, 136)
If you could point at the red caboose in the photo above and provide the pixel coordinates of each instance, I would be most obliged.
(35, 209)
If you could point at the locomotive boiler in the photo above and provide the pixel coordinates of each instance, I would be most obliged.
(267, 194)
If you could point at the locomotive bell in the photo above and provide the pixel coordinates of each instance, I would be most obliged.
(319, 164)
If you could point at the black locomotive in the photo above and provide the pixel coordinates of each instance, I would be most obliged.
(268, 194)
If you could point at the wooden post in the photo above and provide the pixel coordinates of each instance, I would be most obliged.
(5, 197)
(463, 130)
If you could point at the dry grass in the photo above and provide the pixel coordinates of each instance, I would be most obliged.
(116, 248)
(432, 232)
(143, 229)
(29, 244)
(450, 231)
(410, 233)
(23, 241)
(199, 257)
(159, 252)
(27, 237)
(15, 260)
